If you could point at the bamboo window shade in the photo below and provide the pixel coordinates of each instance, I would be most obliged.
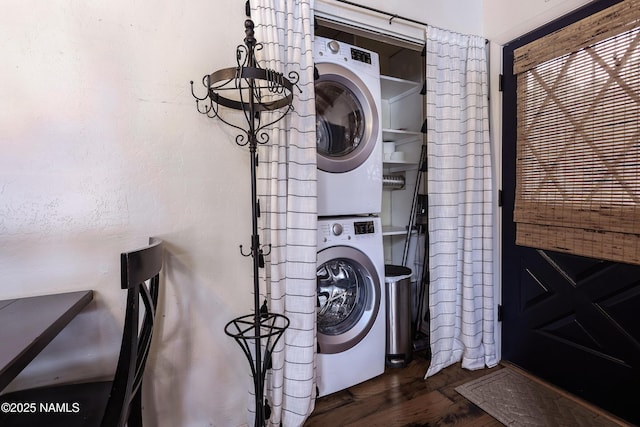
(578, 137)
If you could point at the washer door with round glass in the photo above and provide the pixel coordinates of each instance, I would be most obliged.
(346, 119)
(348, 298)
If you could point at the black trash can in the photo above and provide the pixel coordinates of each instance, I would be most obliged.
(398, 292)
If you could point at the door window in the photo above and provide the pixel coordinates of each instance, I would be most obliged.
(340, 121)
(342, 295)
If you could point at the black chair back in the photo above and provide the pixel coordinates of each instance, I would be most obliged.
(140, 270)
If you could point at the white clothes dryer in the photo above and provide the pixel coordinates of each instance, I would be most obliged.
(348, 129)
(351, 303)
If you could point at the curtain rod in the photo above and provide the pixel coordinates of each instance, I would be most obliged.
(392, 15)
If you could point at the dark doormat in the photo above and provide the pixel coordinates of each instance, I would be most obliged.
(516, 399)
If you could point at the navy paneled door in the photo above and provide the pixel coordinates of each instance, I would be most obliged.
(571, 320)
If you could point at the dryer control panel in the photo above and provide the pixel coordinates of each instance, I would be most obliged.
(360, 55)
(333, 50)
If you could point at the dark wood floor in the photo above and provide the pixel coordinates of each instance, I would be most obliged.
(401, 397)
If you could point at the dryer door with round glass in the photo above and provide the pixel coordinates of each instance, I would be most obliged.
(346, 119)
(348, 298)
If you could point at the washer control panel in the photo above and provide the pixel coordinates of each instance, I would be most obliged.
(343, 230)
(364, 227)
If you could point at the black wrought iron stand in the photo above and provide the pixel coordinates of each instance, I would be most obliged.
(254, 91)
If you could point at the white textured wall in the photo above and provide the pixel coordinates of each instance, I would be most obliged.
(101, 147)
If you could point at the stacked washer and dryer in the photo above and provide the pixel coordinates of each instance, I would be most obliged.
(350, 273)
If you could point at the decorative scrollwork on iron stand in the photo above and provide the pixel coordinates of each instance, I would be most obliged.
(250, 89)
(264, 97)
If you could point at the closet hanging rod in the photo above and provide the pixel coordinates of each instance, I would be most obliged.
(392, 16)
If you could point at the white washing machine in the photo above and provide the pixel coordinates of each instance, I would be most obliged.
(351, 304)
(348, 129)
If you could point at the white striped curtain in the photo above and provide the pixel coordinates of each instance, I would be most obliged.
(461, 290)
(287, 193)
